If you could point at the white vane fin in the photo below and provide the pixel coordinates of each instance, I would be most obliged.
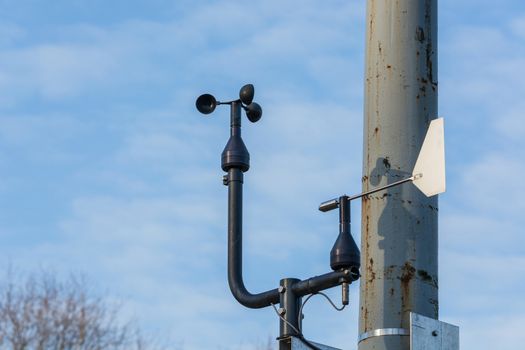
(429, 171)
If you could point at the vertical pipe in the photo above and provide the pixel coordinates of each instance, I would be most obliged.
(399, 227)
(290, 305)
(344, 214)
(235, 159)
(235, 279)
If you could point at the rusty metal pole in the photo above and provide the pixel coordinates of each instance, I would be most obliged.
(399, 243)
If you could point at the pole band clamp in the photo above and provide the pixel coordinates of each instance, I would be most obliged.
(381, 332)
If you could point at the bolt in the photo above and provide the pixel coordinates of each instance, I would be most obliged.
(225, 180)
(281, 311)
(282, 289)
(434, 333)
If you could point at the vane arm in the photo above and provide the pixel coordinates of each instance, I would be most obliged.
(334, 203)
(377, 189)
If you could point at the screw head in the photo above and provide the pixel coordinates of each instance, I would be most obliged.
(434, 333)
(281, 311)
(281, 289)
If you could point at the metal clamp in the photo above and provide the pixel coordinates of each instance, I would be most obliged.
(383, 332)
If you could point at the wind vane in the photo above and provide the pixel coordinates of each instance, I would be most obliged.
(428, 174)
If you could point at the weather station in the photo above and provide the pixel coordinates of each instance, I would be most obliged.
(428, 175)
(403, 173)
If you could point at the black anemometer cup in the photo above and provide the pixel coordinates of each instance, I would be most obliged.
(246, 94)
(206, 103)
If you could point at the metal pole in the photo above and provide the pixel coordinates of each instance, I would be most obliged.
(399, 227)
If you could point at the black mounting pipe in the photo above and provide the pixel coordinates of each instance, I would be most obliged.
(328, 280)
(235, 280)
(236, 160)
(290, 302)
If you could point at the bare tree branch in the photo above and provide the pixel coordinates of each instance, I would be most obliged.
(46, 314)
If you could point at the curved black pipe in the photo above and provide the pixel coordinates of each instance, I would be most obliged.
(235, 280)
(236, 160)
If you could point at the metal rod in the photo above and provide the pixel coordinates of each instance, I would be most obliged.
(393, 184)
(334, 202)
(345, 293)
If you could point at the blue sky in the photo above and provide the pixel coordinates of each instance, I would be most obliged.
(107, 169)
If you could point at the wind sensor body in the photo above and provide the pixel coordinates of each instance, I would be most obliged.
(428, 175)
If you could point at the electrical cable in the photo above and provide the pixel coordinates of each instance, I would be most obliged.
(308, 298)
(331, 302)
(299, 335)
(284, 320)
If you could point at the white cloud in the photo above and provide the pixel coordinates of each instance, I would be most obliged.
(82, 58)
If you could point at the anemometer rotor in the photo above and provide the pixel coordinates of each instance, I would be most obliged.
(207, 103)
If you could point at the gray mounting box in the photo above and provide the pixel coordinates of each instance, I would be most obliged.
(429, 334)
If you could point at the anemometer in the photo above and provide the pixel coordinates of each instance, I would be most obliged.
(428, 175)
